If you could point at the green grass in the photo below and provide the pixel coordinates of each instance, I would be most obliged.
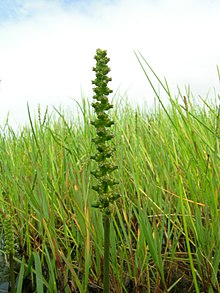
(166, 224)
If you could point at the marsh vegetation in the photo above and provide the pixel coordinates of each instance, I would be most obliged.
(165, 226)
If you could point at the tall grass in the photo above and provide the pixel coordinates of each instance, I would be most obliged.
(166, 222)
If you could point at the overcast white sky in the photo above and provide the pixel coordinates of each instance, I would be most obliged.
(47, 49)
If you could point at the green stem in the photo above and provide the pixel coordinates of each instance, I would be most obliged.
(106, 285)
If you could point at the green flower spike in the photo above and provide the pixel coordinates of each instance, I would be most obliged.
(102, 140)
(9, 235)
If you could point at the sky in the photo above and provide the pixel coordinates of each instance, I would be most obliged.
(47, 50)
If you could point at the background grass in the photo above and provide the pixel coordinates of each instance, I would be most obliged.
(165, 232)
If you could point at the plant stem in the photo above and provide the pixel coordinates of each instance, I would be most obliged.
(106, 285)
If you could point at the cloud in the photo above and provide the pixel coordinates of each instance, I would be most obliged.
(47, 49)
